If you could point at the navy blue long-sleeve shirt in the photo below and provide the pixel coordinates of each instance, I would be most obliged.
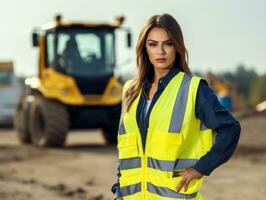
(212, 114)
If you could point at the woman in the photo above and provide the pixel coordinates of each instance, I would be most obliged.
(165, 134)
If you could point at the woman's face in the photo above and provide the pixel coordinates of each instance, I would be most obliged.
(160, 49)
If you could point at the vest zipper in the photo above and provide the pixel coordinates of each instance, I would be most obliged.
(143, 117)
(144, 177)
(153, 101)
(144, 161)
(143, 155)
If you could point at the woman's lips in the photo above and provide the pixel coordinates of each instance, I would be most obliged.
(160, 60)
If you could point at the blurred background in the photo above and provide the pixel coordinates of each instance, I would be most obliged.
(62, 67)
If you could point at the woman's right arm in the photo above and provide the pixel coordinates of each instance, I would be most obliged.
(116, 186)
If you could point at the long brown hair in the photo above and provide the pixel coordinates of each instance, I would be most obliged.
(171, 26)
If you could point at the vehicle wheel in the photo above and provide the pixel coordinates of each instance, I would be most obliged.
(110, 130)
(49, 123)
(21, 119)
(110, 134)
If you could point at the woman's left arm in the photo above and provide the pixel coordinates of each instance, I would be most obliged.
(214, 116)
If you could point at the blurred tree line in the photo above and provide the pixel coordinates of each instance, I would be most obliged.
(249, 85)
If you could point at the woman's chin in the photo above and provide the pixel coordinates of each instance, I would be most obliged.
(162, 66)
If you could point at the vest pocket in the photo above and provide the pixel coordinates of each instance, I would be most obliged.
(130, 187)
(165, 146)
(193, 186)
(129, 180)
(127, 146)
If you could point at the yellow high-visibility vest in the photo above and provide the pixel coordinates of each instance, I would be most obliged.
(176, 140)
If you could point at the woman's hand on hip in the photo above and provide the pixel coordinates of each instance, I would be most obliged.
(119, 198)
(187, 176)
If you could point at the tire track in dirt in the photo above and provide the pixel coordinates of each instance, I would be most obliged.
(61, 189)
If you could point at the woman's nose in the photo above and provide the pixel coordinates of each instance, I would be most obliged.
(161, 50)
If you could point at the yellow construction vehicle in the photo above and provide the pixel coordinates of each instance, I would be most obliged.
(75, 87)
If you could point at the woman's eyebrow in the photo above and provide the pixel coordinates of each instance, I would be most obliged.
(167, 41)
(150, 40)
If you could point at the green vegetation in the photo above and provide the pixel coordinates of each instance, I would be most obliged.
(249, 84)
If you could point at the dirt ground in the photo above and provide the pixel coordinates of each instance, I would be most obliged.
(85, 169)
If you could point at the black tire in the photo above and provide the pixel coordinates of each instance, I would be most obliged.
(110, 134)
(21, 120)
(110, 130)
(49, 123)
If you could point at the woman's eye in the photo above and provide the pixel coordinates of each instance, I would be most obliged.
(169, 44)
(152, 44)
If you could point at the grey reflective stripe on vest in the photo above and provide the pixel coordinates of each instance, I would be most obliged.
(166, 192)
(185, 163)
(130, 163)
(131, 189)
(165, 165)
(122, 129)
(180, 105)
(202, 126)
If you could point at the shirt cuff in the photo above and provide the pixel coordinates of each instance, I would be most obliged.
(201, 170)
(117, 193)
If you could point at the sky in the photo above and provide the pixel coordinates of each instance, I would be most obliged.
(219, 35)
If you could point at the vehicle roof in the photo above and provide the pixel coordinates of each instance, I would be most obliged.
(68, 24)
